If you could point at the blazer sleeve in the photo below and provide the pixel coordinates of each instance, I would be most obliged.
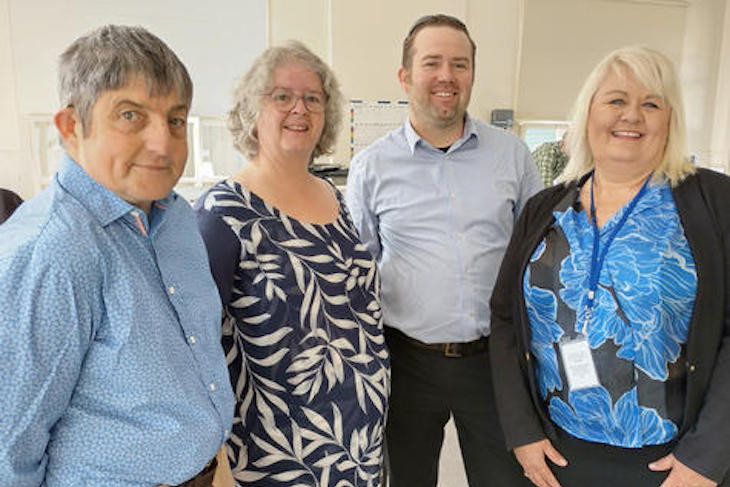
(509, 361)
(705, 447)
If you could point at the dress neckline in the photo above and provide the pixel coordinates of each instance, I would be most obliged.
(241, 189)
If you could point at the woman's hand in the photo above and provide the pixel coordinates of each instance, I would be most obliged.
(532, 458)
(680, 475)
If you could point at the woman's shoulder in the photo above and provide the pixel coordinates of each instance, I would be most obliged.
(711, 186)
(546, 199)
(222, 196)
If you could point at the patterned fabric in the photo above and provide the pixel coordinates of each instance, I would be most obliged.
(550, 160)
(637, 329)
(113, 374)
(304, 338)
(438, 224)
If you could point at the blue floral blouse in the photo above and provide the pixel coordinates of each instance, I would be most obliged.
(636, 331)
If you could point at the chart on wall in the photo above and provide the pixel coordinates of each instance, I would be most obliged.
(370, 120)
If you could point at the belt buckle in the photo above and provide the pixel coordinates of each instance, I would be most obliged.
(451, 350)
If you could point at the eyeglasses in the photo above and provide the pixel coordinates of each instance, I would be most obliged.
(284, 100)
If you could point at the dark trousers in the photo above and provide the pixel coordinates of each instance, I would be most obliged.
(601, 465)
(426, 389)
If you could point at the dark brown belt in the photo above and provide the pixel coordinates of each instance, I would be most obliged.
(204, 477)
(452, 350)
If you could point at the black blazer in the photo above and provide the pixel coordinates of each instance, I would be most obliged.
(703, 204)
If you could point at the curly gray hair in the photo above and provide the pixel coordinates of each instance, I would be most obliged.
(104, 60)
(243, 117)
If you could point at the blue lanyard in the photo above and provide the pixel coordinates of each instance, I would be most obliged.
(596, 259)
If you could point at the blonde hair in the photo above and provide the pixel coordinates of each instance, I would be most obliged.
(656, 73)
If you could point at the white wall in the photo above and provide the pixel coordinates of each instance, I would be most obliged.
(565, 39)
(11, 167)
(216, 41)
(720, 142)
(701, 75)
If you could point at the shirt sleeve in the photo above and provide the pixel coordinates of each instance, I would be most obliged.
(45, 333)
(358, 198)
(530, 183)
(224, 251)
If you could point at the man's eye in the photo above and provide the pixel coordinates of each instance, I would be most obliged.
(178, 122)
(130, 115)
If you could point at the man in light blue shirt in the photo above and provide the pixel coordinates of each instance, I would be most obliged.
(113, 374)
(435, 202)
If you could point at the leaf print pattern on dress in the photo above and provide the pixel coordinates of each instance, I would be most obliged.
(304, 342)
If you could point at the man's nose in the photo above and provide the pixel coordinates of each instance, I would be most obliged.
(446, 72)
(158, 137)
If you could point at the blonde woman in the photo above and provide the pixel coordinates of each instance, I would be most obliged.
(611, 316)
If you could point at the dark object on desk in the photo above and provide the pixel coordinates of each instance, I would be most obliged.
(9, 201)
(323, 169)
(503, 118)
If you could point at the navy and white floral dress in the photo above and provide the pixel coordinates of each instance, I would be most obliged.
(304, 341)
(637, 330)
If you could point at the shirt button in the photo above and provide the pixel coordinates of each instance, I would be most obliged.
(192, 339)
(171, 289)
(692, 368)
(226, 433)
(211, 386)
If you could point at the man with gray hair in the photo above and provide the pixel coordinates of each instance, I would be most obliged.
(110, 321)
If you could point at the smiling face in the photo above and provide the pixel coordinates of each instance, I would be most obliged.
(136, 144)
(292, 133)
(439, 80)
(627, 124)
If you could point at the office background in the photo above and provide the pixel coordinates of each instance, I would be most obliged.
(532, 57)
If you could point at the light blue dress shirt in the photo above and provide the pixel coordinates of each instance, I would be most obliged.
(113, 373)
(438, 224)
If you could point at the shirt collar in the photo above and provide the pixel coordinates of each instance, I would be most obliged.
(105, 205)
(412, 137)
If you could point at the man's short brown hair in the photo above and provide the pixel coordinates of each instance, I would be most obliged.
(436, 20)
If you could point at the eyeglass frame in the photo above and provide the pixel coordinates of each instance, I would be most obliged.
(296, 99)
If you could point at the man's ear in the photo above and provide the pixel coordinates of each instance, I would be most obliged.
(69, 127)
(403, 78)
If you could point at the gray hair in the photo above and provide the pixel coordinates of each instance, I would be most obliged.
(243, 117)
(106, 58)
(656, 73)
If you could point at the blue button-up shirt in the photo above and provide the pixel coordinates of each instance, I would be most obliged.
(113, 373)
(438, 224)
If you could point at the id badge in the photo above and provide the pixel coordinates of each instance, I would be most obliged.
(578, 363)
